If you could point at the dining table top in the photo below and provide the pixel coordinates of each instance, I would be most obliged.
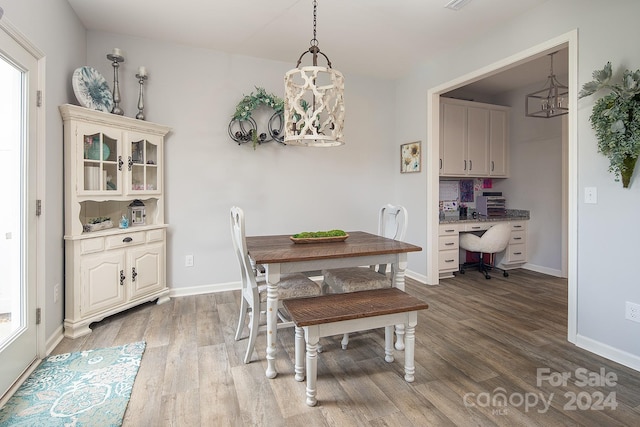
(281, 249)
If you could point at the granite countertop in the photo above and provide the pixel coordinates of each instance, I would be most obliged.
(510, 214)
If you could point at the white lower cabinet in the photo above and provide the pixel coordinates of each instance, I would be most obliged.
(100, 282)
(114, 272)
(146, 266)
(516, 253)
(514, 256)
(448, 250)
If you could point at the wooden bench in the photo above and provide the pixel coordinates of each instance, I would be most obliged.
(337, 314)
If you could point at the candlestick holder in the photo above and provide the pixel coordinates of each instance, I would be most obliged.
(116, 59)
(141, 78)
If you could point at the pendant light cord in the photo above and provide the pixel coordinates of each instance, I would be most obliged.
(314, 40)
(314, 49)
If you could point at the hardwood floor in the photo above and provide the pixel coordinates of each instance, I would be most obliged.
(479, 344)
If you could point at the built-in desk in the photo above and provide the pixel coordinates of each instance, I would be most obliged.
(448, 241)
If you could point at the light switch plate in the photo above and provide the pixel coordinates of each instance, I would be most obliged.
(591, 195)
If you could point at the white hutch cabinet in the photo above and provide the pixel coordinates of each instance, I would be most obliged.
(110, 161)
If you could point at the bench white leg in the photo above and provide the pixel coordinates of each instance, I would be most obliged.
(388, 344)
(410, 343)
(299, 352)
(345, 341)
(312, 337)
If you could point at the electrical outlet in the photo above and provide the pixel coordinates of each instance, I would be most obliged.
(56, 292)
(632, 312)
(188, 261)
(591, 195)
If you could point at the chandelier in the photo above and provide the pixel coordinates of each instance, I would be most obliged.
(551, 101)
(314, 101)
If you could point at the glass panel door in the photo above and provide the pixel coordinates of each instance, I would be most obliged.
(18, 225)
(100, 163)
(144, 166)
(10, 219)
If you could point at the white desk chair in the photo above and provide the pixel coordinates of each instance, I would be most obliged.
(254, 289)
(393, 225)
(493, 241)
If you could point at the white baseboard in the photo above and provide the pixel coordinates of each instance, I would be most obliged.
(619, 356)
(416, 276)
(204, 289)
(544, 270)
(54, 340)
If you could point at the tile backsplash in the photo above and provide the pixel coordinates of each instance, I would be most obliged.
(462, 192)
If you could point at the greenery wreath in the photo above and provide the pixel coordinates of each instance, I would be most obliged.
(616, 119)
(254, 100)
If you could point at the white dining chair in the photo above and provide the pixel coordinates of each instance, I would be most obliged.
(254, 288)
(493, 241)
(392, 223)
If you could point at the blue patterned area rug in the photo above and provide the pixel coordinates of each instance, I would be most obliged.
(87, 388)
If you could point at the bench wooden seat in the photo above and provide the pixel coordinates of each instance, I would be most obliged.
(336, 314)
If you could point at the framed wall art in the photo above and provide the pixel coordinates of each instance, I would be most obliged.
(411, 157)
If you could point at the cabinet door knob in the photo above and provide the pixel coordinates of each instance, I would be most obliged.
(492, 166)
(130, 163)
(470, 164)
(133, 274)
(120, 163)
(122, 277)
(465, 165)
(127, 240)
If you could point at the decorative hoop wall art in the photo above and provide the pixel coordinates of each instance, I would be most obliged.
(243, 127)
(411, 157)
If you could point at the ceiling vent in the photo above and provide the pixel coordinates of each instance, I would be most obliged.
(456, 4)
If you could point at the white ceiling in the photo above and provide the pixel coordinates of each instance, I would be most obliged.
(380, 38)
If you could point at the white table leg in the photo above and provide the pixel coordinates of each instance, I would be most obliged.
(388, 344)
(273, 278)
(299, 354)
(409, 350)
(398, 270)
(312, 337)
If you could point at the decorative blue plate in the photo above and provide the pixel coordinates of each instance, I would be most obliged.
(91, 89)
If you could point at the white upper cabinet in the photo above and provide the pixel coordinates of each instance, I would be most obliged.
(473, 139)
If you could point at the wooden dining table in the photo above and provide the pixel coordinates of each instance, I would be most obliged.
(280, 255)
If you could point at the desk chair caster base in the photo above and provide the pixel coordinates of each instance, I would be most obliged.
(483, 268)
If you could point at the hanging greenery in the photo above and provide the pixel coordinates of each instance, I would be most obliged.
(254, 100)
(616, 119)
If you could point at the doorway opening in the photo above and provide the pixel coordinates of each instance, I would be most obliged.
(569, 171)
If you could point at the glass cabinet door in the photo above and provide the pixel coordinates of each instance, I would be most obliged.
(101, 164)
(144, 165)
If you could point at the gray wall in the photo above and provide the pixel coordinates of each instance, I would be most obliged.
(283, 189)
(535, 181)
